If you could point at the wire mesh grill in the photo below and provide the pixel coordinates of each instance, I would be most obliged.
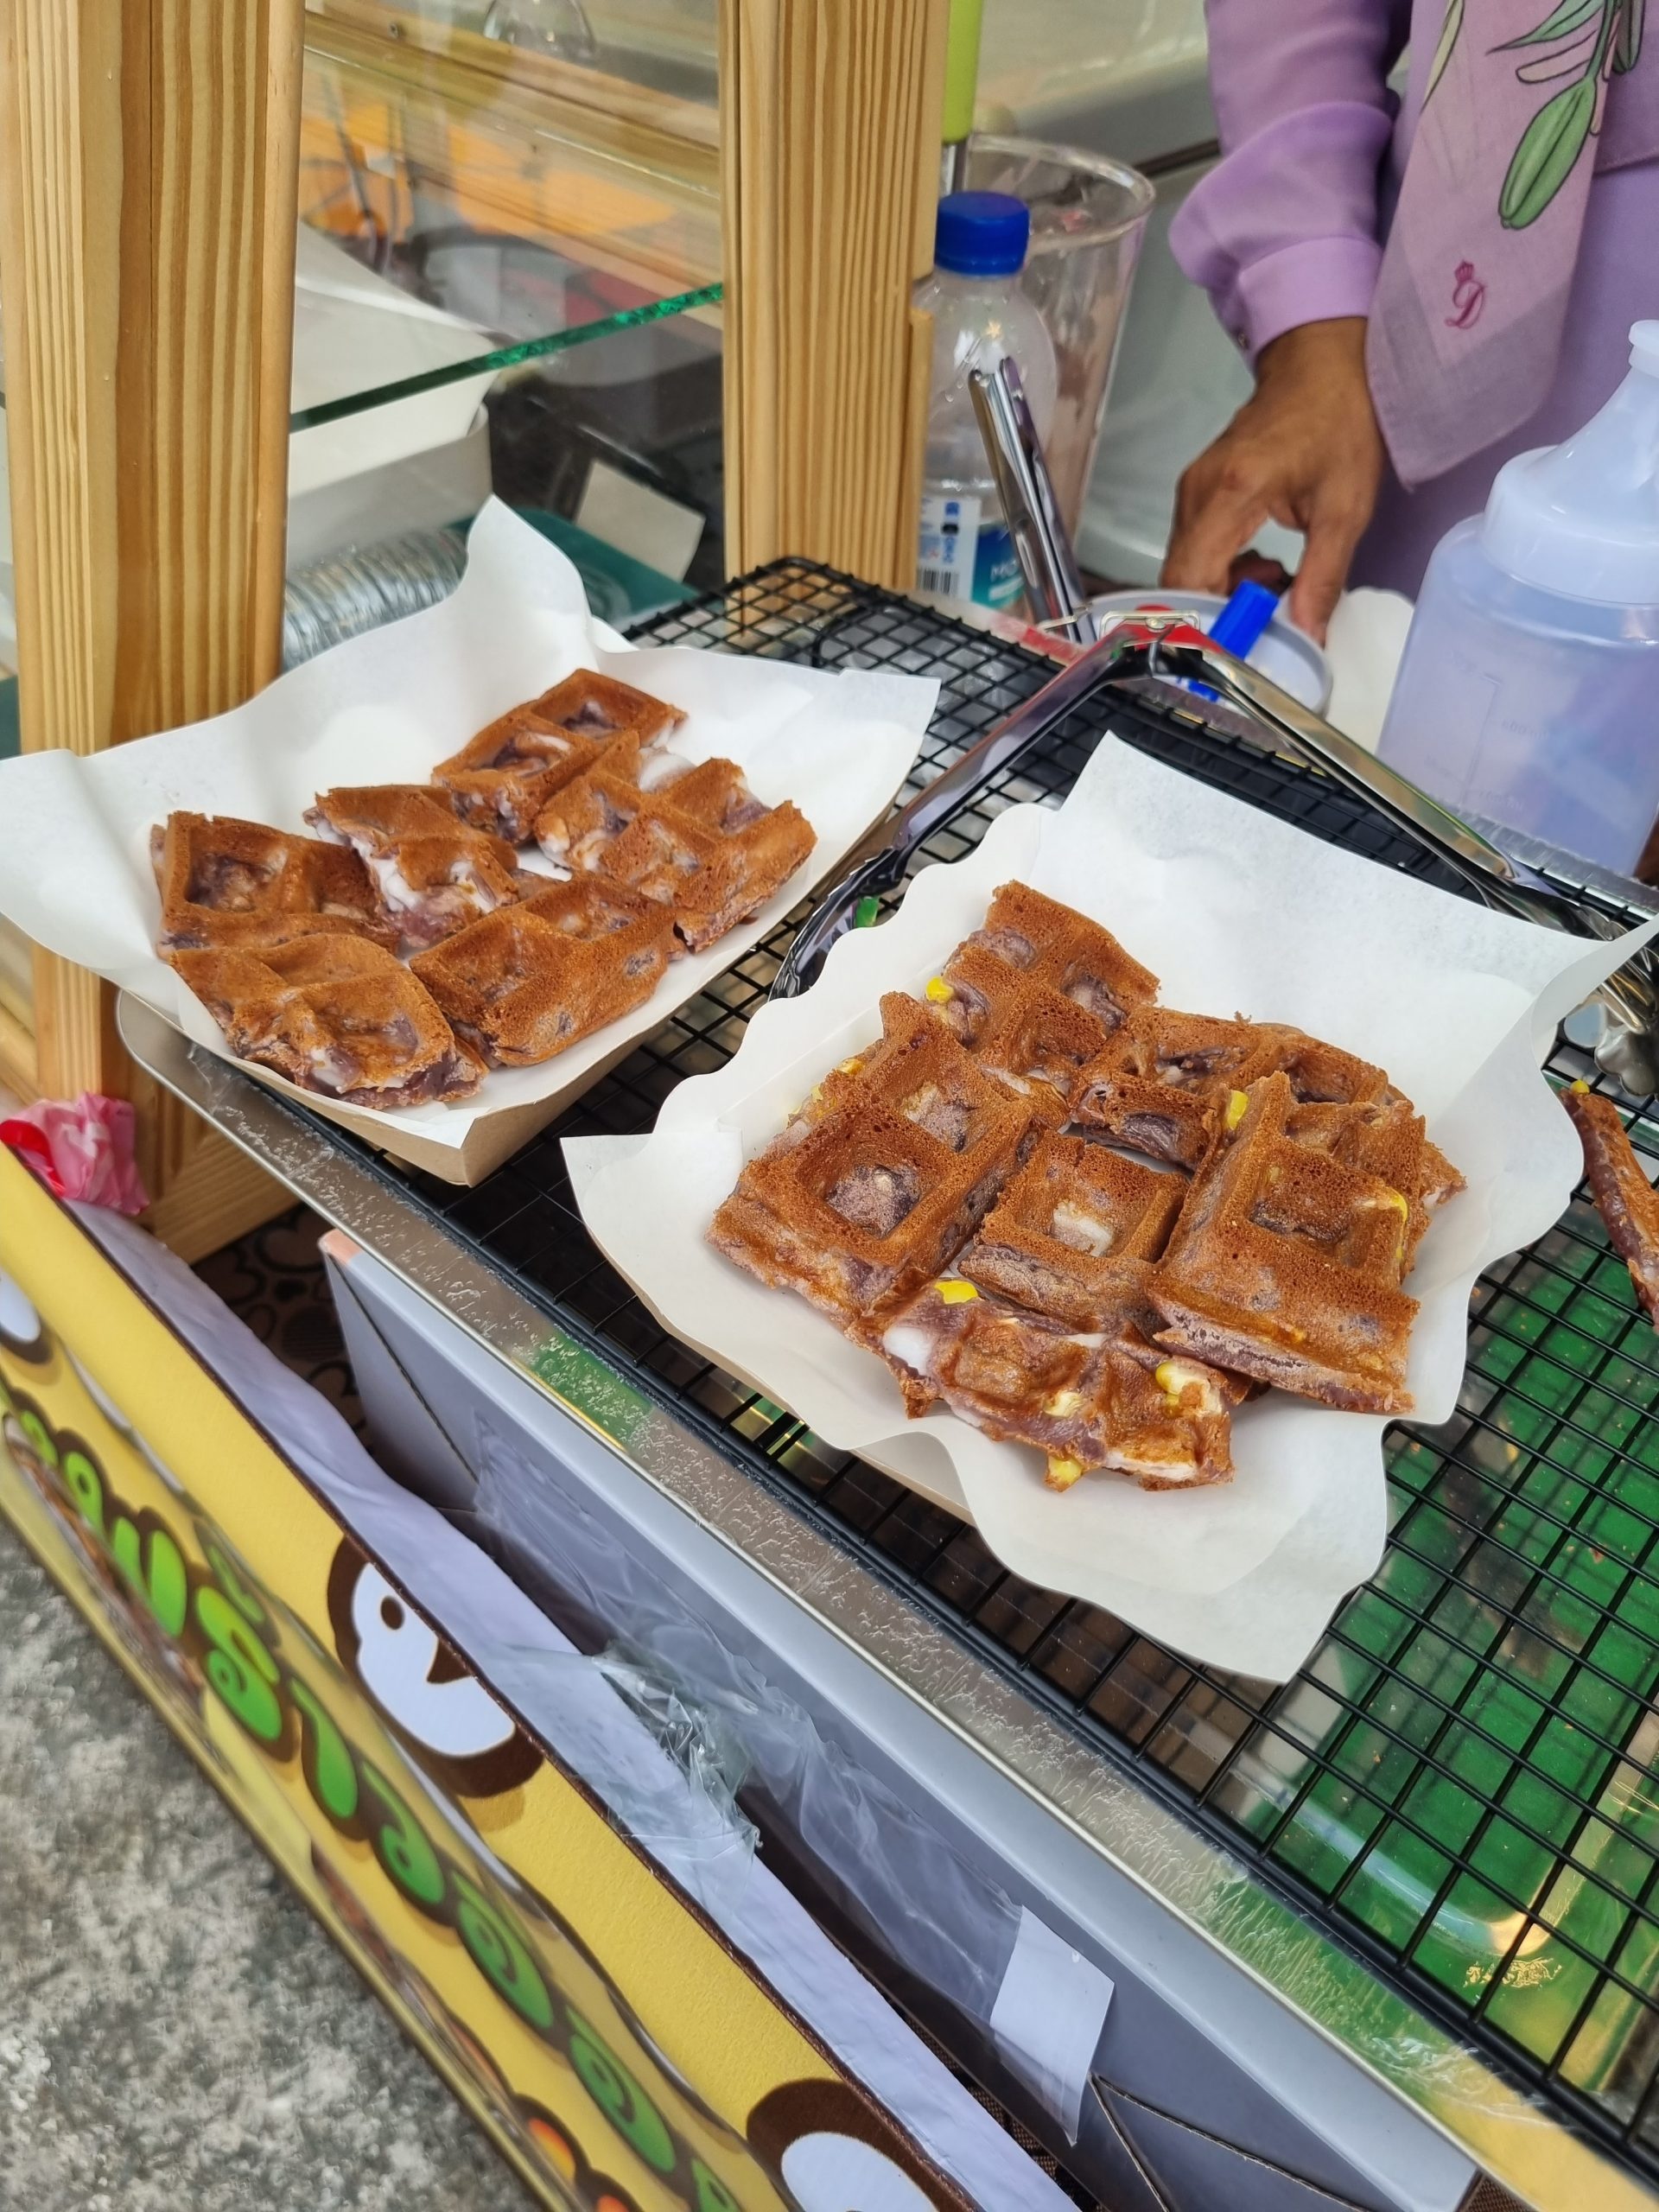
(1459, 1781)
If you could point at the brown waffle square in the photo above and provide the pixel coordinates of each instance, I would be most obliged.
(1162, 1081)
(1026, 1378)
(1285, 1265)
(883, 1176)
(503, 777)
(1074, 1234)
(602, 706)
(1035, 993)
(528, 982)
(1382, 1136)
(703, 844)
(228, 882)
(431, 874)
(1053, 944)
(334, 1015)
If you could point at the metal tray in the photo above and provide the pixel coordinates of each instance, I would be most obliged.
(1457, 1784)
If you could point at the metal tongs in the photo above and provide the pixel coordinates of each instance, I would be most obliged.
(1048, 561)
(1171, 646)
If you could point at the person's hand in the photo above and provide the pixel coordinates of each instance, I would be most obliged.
(1305, 451)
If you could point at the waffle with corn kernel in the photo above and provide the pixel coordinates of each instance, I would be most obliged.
(338, 1015)
(533, 978)
(226, 884)
(1162, 1082)
(501, 780)
(1382, 1136)
(431, 874)
(698, 842)
(1035, 993)
(1285, 1264)
(882, 1175)
(1025, 1377)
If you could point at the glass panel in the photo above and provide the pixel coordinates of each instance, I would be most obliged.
(483, 184)
(507, 283)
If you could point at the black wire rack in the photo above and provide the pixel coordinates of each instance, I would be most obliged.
(1458, 1785)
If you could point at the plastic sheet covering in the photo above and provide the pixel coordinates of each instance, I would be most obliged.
(572, 1703)
(893, 1876)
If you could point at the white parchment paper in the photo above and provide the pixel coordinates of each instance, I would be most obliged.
(385, 708)
(1238, 913)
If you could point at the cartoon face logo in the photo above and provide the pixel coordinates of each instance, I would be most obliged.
(23, 1332)
(464, 1738)
(834, 2152)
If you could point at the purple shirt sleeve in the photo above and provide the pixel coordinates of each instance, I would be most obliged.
(1284, 230)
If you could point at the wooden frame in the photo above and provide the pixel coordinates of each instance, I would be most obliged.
(147, 183)
(830, 116)
(148, 167)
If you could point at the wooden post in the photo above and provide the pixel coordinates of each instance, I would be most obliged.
(148, 153)
(830, 114)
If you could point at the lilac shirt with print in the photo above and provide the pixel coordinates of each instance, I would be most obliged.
(1287, 229)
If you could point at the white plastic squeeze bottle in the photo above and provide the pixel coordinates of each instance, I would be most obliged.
(980, 314)
(1529, 688)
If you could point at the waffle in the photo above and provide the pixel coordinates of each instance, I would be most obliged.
(881, 1178)
(1026, 1378)
(701, 845)
(431, 874)
(334, 1015)
(1074, 1236)
(1383, 1137)
(231, 884)
(1035, 993)
(1625, 1200)
(503, 777)
(1163, 1080)
(528, 982)
(1285, 1265)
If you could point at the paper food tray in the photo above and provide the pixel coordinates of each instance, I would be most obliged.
(1236, 912)
(385, 708)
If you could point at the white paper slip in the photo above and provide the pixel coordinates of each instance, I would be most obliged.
(1236, 912)
(386, 708)
(1050, 2010)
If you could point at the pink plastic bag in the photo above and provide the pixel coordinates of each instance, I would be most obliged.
(83, 1151)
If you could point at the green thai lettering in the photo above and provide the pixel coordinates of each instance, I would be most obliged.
(232, 1583)
(617, 2095)
(152, 1564)
(239, 1668)
(326, 1756)
(39, 1435)
(402, 1846)
(85, 1486)
(500, 1953)
(713, 2196)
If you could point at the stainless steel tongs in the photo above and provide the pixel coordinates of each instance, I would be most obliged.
(1171, 646)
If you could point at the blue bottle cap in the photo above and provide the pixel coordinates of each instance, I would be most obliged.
(1246, 615)
(981, 234)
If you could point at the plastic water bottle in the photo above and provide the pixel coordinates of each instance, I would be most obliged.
(1529, 688)
(980, 315)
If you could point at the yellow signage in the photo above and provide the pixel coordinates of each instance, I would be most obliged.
(598, 2027)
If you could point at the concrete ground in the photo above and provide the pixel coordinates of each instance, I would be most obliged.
(175, 2030)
